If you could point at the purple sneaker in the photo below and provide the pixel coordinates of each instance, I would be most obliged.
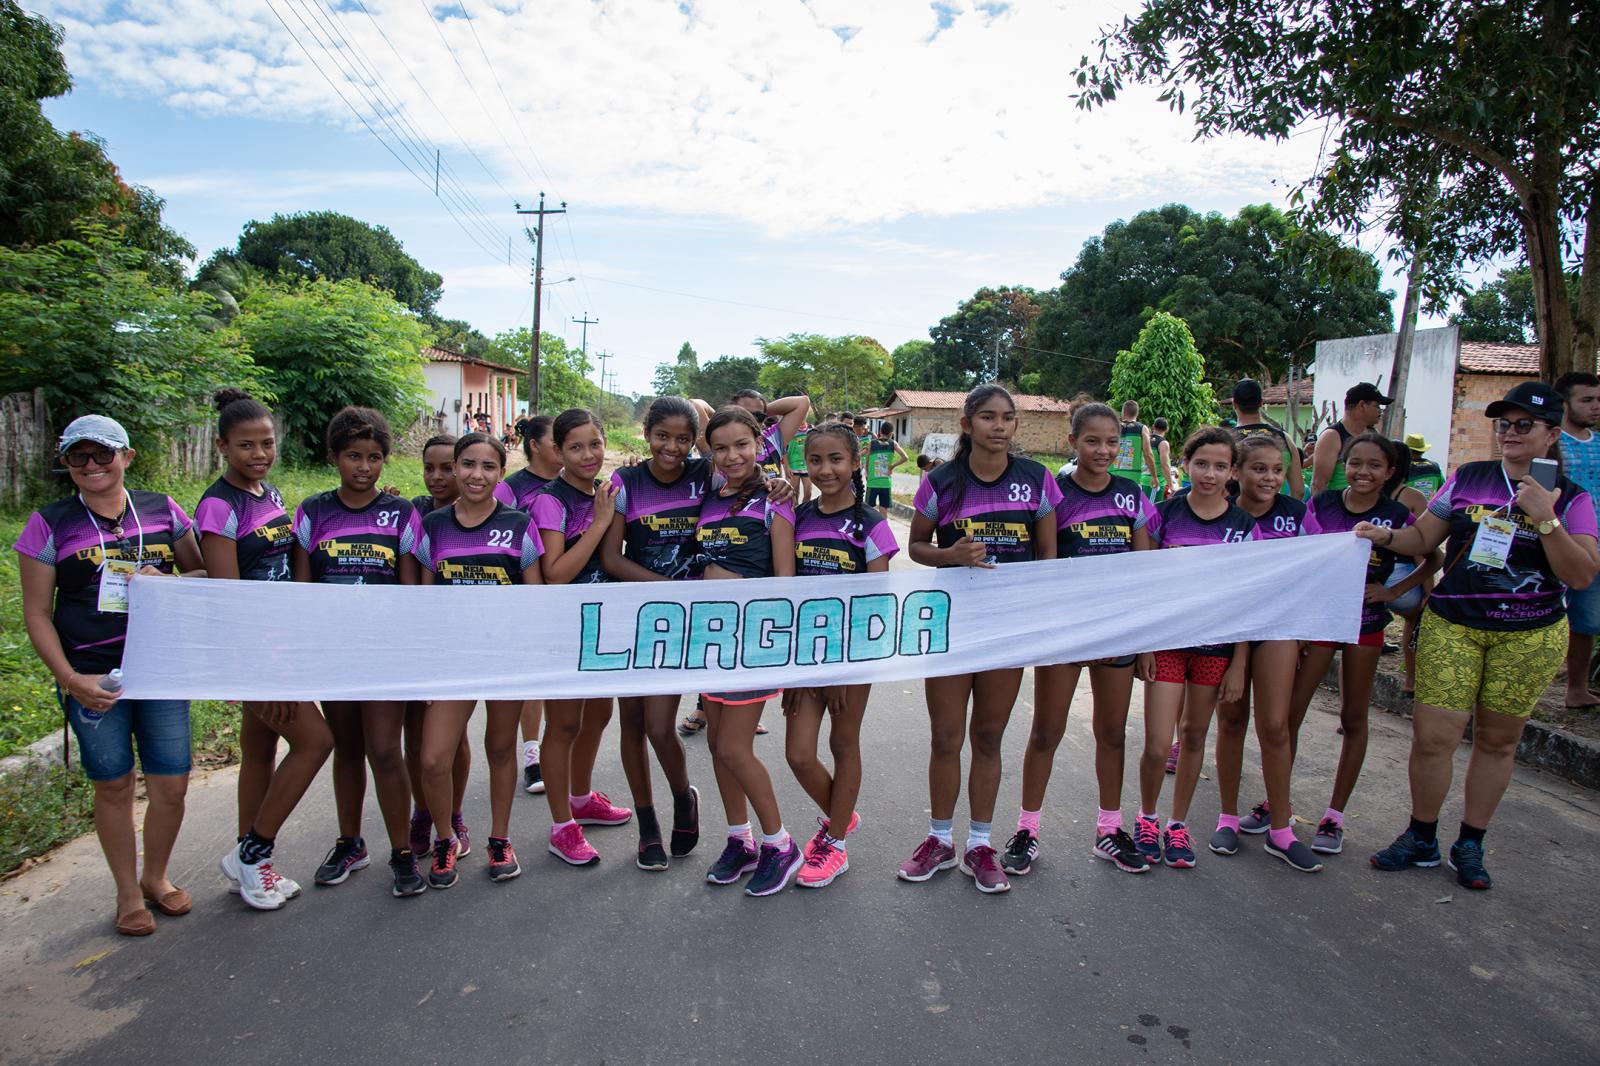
(458, 826)
(983, 866)
(737, 859)
(421, 833)
(931, 856)
(774, 869)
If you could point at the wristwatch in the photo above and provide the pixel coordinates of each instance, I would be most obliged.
(1548, 527)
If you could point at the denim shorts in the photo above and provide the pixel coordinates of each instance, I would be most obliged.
(1583, 609)
(1411, 600)
(105, 744)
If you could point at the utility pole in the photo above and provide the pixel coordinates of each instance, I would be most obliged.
(603, 356)
(586, 322)
(536, 235)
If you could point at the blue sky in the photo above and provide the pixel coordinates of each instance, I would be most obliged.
(848, 165)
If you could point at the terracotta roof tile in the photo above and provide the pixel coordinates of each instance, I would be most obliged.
(445, 355)
(952, 401)
(1481, 357)
(1278, 395)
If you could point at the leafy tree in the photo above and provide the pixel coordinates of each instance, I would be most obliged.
(79, 319)
(681, 376)
(915, 368)
(1502, 310)
(324, 344)
(718, 380)
(838, 373)
(458, 335)
(1246, 286)
(1164, 373)
(327, 245)
(1481, 120)
(50, 181)
(563, 372)
(986, 338)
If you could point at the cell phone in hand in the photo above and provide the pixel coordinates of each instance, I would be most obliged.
(1545, 471)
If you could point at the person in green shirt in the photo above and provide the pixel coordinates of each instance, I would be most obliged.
(797, 466)
(1424, 475)
(1135, 460)
(883, 455)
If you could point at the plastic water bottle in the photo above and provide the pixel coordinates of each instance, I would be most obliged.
(112, 682)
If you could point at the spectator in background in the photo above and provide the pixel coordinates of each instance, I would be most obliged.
(1166, 482)
(1425, 475)
(1247, 405)
(1363, 410)
(1580, 452)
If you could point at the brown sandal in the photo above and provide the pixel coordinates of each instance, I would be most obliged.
(174, 903)
(136, 923)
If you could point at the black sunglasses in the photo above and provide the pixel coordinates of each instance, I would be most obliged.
(1523, 426)
(79, 460)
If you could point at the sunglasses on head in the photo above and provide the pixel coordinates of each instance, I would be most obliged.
(101, 456)
(1523, 426)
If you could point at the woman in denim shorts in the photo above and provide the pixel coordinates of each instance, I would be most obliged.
(76, 613)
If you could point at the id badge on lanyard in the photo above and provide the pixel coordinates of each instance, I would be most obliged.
(114, 573)
(1492, 545)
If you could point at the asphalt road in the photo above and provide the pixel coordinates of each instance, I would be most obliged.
(1240, 959)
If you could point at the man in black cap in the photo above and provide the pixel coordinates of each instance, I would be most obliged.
(1363, 410)
(1247, 406)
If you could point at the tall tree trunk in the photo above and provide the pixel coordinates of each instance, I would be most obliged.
(1586, 326)
(1541, 231)
(1394, 419)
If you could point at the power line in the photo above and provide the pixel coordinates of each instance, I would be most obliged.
(516, 121)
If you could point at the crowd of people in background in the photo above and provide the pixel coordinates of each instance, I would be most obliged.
(1490, 567)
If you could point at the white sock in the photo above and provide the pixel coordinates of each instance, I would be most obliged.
(559, 826)
(742, 832)
(780, 839)
(832, 842)
(978, 834)
(530, 753)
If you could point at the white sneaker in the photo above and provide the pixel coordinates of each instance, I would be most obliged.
(260, 885)
(230, 864)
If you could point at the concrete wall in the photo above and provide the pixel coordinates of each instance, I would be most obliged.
(443, 381)
(1430, 391)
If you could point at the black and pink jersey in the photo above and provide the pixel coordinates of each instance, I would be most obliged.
(999, 514)
(356, 547)
(68, 537)
(739, 541)
(843, 542)
(560, 508)
(1330, 515)
(659, 518)
(1525, 594)
(1099, 523)
(424, 505)
(1175, 525)
(520, 486)
(258, 526)
(494, 552)
(1288, 517)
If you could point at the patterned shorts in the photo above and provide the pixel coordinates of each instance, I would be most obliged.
(1178, 667)
(1504, 671)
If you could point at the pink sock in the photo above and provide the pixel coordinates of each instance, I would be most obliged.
(1029, 820)
(580, 801)
(1107, 822)
(1228, 821)
(1281, 838)
(1336, 817)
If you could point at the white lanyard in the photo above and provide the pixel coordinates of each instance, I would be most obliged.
(1511, 492)
(114, 574)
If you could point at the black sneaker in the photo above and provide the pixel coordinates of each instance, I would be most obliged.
(348, 855)
(1407, 851)
(532, 778)
(1466, 859)
(503, 864)
(442, 874)
(1119, 849)
(1297, 855)
(652, 856)
(1020, 852)
(774, 868)
(1224, 841)
(736, 860)
(408, 881)
(686, 824)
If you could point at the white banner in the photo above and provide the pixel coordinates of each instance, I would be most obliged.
(205, 639)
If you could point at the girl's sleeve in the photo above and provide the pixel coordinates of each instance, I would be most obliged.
(622, 492)
(1578, 516)
(503, 493)
(531, 547)
(213, 515)
(179, 518)
(1049, 496)
(423, 549)
(548, 513)
(926, 501)
(1153, 522)
(1146, 516)
(302, 528)
(881, 542)
(410, 531)
(1439, 506)
(784, 510)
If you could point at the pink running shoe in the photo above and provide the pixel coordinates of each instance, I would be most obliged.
(823, 827)
(599, 810)
(931, 856)
(823, 862)
(569, 846)
(1172, 759)
(982, 865)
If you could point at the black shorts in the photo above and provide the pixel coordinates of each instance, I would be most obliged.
(879, 497)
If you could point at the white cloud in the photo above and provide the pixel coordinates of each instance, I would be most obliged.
(761, 112)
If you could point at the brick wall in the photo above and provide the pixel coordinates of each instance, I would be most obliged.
(1471, 437)
(1037, 431)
